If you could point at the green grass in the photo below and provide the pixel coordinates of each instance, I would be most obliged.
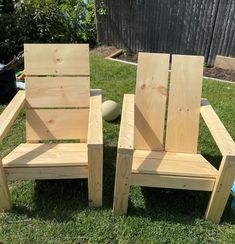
(57, 211)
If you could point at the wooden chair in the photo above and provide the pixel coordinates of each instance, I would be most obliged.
(144, 159)
(59, 106)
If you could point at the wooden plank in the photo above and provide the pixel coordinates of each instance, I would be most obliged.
(95, 126)
(150, 100)
(221, 136)
(47, 92)
(225, 62)
(122, 183)
(5, 199)
(43, 124)
(173, 182)
(95, 176)
(116, 54)
(56, 59)
(164, 163)
(184, 104)
(43, 173)
(126, 132)
(221, 191)
(9, 115)
(45, 155)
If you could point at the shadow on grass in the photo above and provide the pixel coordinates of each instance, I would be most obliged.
(62, 199)
(178, 206)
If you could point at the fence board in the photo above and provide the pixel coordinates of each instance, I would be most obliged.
(196, 27)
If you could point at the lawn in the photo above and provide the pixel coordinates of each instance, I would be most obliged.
(57, 211)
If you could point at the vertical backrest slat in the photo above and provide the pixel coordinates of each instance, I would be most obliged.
(184, 104)
(150, 100)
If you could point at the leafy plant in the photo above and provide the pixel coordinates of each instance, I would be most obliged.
(47, 21)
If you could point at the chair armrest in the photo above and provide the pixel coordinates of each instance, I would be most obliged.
(221, 136)
(95, 125)
(126, 133)
(9, 115)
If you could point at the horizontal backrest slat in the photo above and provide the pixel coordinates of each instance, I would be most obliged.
(56, 59)
(184, 103)
(56, 124)
(47, 92)
(150, 100)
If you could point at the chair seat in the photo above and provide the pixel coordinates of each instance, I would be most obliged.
(169, 163)
(47, 155)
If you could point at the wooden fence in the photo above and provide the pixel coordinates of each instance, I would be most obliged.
(199, 27)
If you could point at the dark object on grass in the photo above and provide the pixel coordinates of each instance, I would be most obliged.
(8, 79)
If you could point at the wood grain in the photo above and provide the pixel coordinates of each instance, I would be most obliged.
(222, 189)
(47, 155)
(164, 163)
(44, 173)
(173, 182)
(49, 92)
(150, 100)
(221, 136)
(5, 199)
(95, 126)
(184, 104)
(56, 59)
(126, 132)
(122, 183)
(46, 124)
(10, 113)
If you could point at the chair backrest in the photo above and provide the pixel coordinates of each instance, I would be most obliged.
(181, 97)
(57, 91)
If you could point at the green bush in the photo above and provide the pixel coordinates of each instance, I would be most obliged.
(45, 21)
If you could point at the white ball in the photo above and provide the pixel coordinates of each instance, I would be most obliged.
(110, 110)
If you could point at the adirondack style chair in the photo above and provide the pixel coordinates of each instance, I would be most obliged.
(144, 160)
(59, 106)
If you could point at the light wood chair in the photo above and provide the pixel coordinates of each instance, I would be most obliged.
(144, 160)
(59, 106)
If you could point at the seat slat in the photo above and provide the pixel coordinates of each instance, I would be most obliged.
(150, 100)
(56, 59)
(47, 155)
(56, 124)
(47, 92)
(164, 163)
(184, 104)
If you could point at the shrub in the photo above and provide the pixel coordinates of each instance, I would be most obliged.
(45, 21)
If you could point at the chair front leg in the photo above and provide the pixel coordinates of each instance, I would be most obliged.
(5, 199)
(122, 182)
(95, 175)
(222, 189)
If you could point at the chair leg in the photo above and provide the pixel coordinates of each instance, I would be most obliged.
(222, 189)
(5, 199)
(122, 183)
(95, 175)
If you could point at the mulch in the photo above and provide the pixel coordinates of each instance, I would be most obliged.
(212, 72)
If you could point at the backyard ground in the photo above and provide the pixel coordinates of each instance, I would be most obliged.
(57, 211)
(213, 72)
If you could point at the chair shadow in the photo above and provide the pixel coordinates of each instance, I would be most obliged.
(61, 200)
(178, 206)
